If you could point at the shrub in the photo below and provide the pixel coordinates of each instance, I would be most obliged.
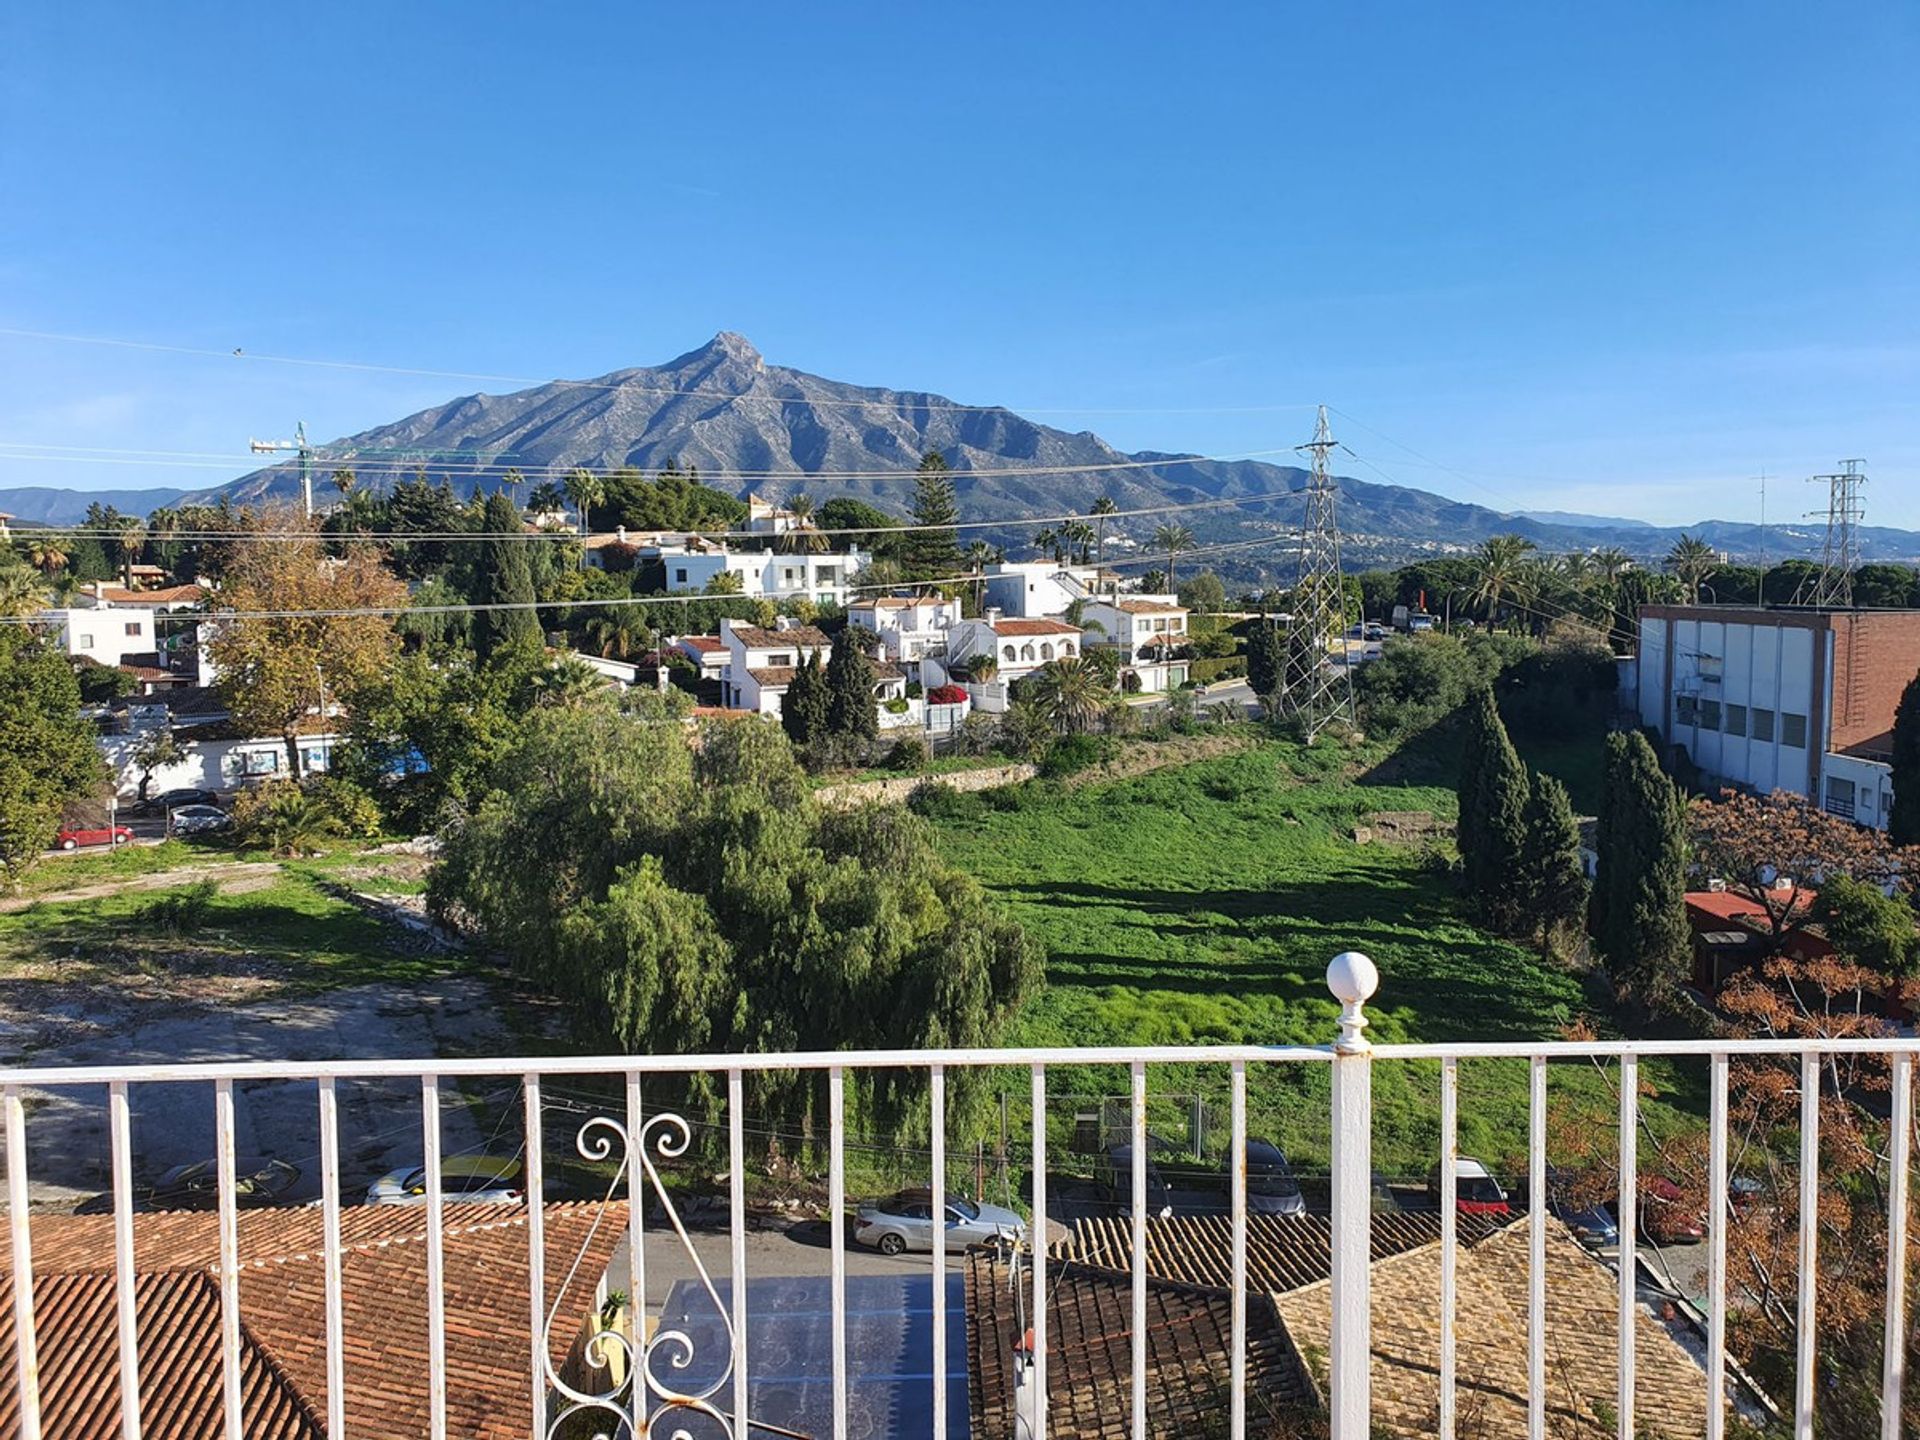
(935, 801)
(895, 706)
(910, 753)
(1073, 753)
(1130, 682)
(182, 911)
(977, 735)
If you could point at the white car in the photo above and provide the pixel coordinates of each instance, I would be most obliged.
(905, 1222)
(464, 1179)
(198, 820)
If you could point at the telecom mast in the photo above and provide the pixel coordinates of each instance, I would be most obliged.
(305, 451)
(1313, 689)
(1840, 554)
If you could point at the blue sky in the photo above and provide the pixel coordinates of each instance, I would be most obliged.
(1615, 258)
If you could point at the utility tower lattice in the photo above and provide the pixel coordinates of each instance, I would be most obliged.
(1840, 554)
(1314, 690)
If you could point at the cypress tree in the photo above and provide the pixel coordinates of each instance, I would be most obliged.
(804, 711)
(1494, 818)
(1903, 824)
(1553, 883)
(850, 707)
(1639, 917)
(1264, 657)
(504, 577)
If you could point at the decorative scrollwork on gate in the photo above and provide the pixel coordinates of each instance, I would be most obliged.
(639, 1403)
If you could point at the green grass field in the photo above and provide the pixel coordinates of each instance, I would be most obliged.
(1201, 905)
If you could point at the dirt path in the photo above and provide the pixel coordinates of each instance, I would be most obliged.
(233, 879)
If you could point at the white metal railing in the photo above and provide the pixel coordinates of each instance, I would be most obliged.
(648, 1401)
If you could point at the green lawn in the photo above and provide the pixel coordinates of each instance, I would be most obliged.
(1201, 904)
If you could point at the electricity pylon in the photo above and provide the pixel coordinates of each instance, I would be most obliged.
(1314, 690)
(1840, 553)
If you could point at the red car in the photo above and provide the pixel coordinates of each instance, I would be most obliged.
(72, 837)
(1665, 1217)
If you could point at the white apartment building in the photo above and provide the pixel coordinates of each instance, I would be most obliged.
(1787, 699)
(107, 623)
(1150, 632)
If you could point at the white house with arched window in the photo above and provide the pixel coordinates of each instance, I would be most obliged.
(1018, 647)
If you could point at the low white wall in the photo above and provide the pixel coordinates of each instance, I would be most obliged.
(213, 764)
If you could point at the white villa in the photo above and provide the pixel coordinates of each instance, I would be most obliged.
(910, 627)
(1147, 631)
(1037, 589)
(825, 578)
(1018, 646)
(108, 624)
(761, 665)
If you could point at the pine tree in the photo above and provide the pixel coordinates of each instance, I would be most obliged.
(1638, 911)
(504, 578)
(1553, 888)
(1903, 824)
(805, 711)
(850, 707)
(1493, 822)
(934, 553)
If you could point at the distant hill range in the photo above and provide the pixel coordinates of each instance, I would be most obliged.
(44, 505)
(751, 426)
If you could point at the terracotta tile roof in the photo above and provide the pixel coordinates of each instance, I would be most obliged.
(1146, 607)
(171, 595)
(1034, 627)
(754, 638)
(773, 676)
(1284, 1252)
(283, 1315)
(705, 644)
(1090, 1354)
(1582, 1305)
(887, 670)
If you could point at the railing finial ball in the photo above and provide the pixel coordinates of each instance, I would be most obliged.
(1352, 978)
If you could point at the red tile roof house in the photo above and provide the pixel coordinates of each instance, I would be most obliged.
(283, 1357)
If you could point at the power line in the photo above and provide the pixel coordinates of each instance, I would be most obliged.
(908, 399)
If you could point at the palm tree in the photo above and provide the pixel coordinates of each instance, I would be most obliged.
(1173, 539)
(978, 555)
(1048, 539)
(583, 490)
(546, 498)
(21, 591)
(1079, 532)
(1102, 508)
(131, 537)
(1070, 693)
(344, 480)
(1576, 570)
(46, 556)
(803, 537)
(619, 633)
(1500, 568)
(569, 683)
(1611, 563)
(1692, 561)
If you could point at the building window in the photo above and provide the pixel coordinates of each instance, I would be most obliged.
(1709, 711)
(679, 577)
(1007, 654)
(1683, 710)
(1793, 730)
(86, 642)
(1763, 724)
(1736, 720)
(1046, 650)
(1840, 797)
(133, 628)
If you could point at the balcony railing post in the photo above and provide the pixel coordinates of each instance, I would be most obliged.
(1352, 978)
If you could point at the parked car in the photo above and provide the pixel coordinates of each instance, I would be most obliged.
(173, 799)
(1591, 1225)
(198, 820)
(1475, 1191)
(905, 1222)
(1115, 1174)
(1665, 1216)
(469, 1179)
(257, 1180)
(72, 837)
(1271, 1186)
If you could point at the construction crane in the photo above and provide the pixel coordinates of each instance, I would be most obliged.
(299, 446)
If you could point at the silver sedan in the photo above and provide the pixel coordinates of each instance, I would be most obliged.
(905, 1222)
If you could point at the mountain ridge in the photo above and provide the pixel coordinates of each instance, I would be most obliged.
(748, 425)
